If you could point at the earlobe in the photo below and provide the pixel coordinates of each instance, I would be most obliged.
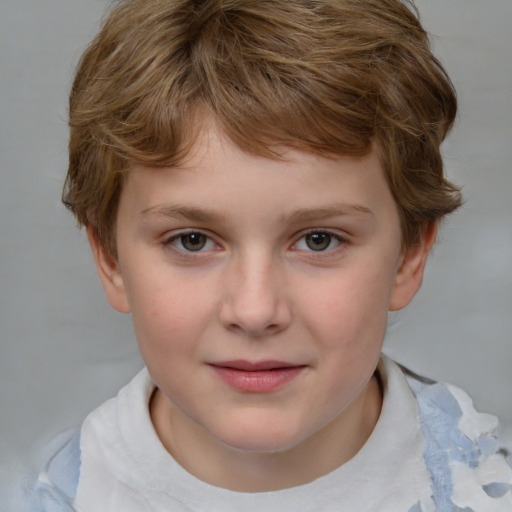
(412, 266)
(109, 273)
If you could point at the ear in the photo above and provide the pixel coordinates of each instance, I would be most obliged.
(412, 265)
(109, 273)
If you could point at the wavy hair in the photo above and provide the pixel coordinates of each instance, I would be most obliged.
(333, 77)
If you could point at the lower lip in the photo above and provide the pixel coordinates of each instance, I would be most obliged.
(261, 381)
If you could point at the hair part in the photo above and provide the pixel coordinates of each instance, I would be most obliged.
(331, 77)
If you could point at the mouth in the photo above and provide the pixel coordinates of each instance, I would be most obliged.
(256, 377)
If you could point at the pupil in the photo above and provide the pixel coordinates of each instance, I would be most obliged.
(318, 241)
(193, 241)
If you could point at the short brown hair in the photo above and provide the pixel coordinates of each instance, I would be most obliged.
(328, 76)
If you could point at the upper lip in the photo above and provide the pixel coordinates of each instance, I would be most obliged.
(254, 366)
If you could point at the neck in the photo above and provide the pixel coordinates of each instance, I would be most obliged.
(247, 471)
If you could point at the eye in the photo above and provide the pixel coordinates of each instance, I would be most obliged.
(192, 241)
(318, 241)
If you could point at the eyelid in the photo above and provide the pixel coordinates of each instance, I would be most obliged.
(341, 239)
(169, 238)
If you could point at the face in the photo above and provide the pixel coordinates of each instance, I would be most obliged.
(259, 289)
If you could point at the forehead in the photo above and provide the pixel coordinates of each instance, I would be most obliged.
(219, 184)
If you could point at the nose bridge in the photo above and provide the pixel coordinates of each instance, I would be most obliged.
(254, 301)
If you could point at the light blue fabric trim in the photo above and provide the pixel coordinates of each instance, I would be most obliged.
(64, 468)
(58, 489)
(497, 489)
(50, 499)
(440, 414)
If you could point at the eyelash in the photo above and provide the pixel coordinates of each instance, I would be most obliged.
(333, 237)
(208, 241)
(183, 251)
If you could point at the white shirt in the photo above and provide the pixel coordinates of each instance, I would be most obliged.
(430, 450)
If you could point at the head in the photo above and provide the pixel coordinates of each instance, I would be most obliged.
(261, 181)
(332, 77)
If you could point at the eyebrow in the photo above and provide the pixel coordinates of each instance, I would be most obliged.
(183, 212)
(335, 210)
(302, 215)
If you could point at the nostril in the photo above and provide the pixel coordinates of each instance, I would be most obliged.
(252, 300)
(255, 323)
(255, 330)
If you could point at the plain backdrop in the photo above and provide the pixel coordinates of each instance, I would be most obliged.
(63, 351)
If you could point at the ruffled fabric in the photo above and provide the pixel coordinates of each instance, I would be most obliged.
(468, 467)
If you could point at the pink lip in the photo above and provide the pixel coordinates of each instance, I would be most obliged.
(256, 377)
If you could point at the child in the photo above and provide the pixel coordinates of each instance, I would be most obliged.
(261, 183)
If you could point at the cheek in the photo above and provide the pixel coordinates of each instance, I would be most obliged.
(167, 319)
(351, 308)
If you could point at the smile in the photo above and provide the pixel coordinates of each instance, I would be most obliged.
(261, 377)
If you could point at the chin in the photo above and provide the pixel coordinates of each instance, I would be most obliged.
(260, 437)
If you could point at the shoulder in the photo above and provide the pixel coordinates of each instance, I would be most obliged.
(56, 486)
(468, 466)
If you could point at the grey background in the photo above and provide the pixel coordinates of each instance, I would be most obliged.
(63, 351)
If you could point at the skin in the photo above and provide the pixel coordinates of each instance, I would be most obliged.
(258, 285)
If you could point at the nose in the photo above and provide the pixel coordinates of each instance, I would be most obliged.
(254, 297)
